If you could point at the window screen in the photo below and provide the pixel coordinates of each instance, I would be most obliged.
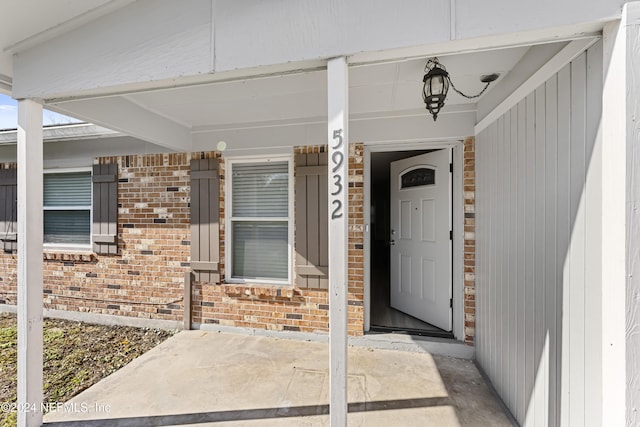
(260, 220)
(260, 190)
(260, 250)
(67, 208)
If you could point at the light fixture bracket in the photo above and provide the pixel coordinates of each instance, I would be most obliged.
(436, 82)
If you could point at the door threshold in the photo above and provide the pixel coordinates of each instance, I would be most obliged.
(402, 341)
(411, 331)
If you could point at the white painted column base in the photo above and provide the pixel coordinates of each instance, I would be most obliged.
(30, 237)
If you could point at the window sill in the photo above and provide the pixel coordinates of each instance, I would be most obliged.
(261, 290)
(51, 254)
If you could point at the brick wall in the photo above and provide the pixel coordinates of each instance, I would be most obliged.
(356, 239)
(8, 266)
(469, 183)
(282, 308)
(145, 278)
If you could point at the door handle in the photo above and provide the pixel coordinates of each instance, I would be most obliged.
(392, 242)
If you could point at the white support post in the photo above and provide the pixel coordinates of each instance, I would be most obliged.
(630, 29)
(338, 143)
(621, 220)
(30, 236)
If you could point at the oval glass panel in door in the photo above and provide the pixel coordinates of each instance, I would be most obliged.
(418, 177)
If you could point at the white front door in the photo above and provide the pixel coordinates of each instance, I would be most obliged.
(420, 237)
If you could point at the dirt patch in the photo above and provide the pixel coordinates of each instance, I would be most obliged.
(76, 356)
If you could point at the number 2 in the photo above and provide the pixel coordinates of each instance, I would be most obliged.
(336, 211)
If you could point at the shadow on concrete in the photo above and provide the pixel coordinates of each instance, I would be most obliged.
(253, 414)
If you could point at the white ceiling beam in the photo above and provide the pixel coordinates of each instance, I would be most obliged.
(480, 18)
(533, 60)
(541, 75)
(184, 82)
(5, 84)
(133, 46)
(156, 44)
(61, 28)
(462, 46)
(353, 117)
(371, 31)
(73, 132)
(374, 130)
(122, 115)
(414, 129)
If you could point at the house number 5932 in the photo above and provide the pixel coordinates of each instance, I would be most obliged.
(337, 163)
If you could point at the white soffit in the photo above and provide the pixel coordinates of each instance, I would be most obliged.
(567, 54)
(388, 92)
(378, 88)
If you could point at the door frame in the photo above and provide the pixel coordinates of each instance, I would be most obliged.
(457, 220)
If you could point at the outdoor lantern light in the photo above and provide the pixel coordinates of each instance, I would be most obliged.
(436, 85)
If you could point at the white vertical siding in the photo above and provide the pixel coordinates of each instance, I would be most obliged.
(594, 284)
(538, 196)
(563, 235)
(553, 297)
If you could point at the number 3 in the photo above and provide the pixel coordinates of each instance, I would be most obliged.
(338, 184)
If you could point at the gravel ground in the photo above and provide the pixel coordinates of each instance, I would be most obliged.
(76, 356)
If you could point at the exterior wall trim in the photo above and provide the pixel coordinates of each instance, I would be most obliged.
(414, 344)
(555, 64)
(461, 331)
(102, 319)
(228, 164)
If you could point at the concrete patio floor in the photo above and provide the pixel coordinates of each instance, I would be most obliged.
(209, 378)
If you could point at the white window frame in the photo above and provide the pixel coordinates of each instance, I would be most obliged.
(228, 199)
(76, 247)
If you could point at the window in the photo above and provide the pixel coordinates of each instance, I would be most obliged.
(260, 225)
(418, 178)
(67, 208)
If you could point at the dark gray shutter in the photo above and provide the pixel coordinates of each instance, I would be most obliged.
(105, 209)
(312, 224)
(205, 220)
(8, 209)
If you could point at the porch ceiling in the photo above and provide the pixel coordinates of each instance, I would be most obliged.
(92, 58)
(377, 91)
(384, 88)
(278, 110)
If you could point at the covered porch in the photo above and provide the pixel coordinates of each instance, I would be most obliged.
(249, 80)
(263, 381)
